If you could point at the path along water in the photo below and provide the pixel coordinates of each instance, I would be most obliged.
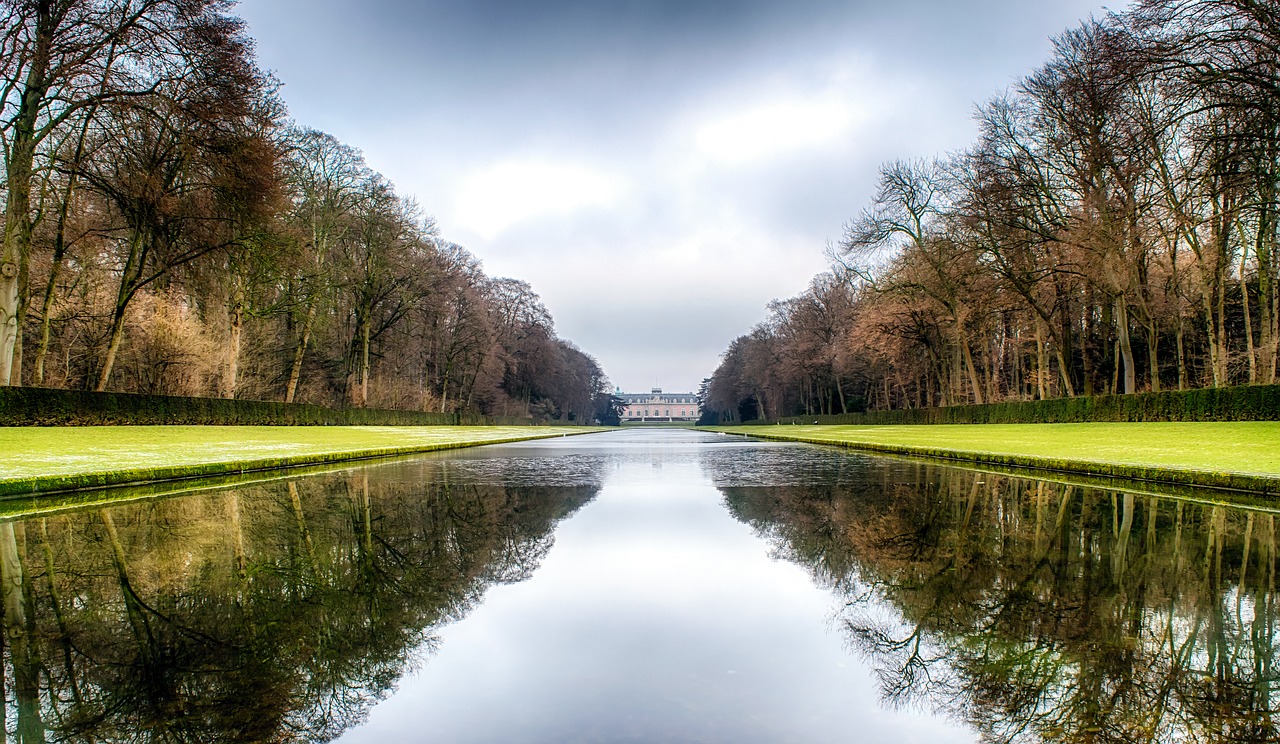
(644, 585)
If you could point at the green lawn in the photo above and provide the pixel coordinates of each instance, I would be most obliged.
(39, 459)
(1250, 448)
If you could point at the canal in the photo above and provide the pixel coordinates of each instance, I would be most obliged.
(643, 586)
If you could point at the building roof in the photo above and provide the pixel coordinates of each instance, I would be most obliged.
(669, 397)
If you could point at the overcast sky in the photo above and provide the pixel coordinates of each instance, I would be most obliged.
(657, 170)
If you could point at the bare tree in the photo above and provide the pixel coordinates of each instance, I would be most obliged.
(61, 57)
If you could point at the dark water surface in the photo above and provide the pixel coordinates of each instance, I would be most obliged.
(643, 586)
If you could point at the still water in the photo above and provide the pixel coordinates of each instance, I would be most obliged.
(643, 586)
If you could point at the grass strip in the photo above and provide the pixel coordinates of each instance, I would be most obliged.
(42, 460)
(1236, 455)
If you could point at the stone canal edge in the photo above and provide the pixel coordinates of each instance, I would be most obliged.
(1220, 480)
(27, 487)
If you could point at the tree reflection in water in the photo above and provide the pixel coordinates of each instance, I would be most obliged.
(279, 612)
(1039, 611)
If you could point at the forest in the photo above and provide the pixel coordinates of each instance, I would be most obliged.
(168, 229)
(1112, 230)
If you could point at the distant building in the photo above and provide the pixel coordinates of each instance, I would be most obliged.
(656, 405)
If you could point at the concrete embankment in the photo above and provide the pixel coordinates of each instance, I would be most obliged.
(45, 460)
(1240, 456)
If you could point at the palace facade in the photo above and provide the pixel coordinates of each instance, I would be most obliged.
(656, 405)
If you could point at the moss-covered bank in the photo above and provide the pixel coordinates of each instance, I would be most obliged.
(45, 460)
(1242, 456)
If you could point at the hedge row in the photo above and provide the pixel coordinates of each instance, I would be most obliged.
(1244, 403)
(24, 406)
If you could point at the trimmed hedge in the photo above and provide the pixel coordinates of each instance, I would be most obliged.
(1243, 403)
(25, 406)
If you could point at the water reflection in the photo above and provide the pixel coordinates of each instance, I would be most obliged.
(277, 612)
(284, 610)
(1033, 610)
(656, 618)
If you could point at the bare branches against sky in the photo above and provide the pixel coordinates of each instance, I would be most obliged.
(657, 170)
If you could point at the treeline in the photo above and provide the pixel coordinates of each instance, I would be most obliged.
(168, 230)
(1112, 230)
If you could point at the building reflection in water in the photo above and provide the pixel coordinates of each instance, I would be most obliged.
(277, 612)
(1034, 610)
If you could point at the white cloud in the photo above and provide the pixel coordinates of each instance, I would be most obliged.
(491, 200)
(776, 128)
(820, 106)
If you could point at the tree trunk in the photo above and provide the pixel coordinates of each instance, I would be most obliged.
(929, 392)
(989, 379)
(973, 372)
(1180, 338)
(1264, 252)
(364, 364)
(237, 536)
(46, 309)
(17, 244)
(1153, 353)
(470, 387)
(113, 347)
(133, 607)
(55, 600)
(1087, 345)
(1180, 329)
(15, 379)
(128, 285)
(944, 383)
(1211, 329)
(1248, 317)
(1273, 354)
(300, 520)
(295, 372)
(955, 375)
(236, 322)
(17, 631)
(1119, 557)
(1115, 368)
(1223, 373)
(1126, 345)
(364, 507)
(15, 253)
(1042, 363)
(1064, 370)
